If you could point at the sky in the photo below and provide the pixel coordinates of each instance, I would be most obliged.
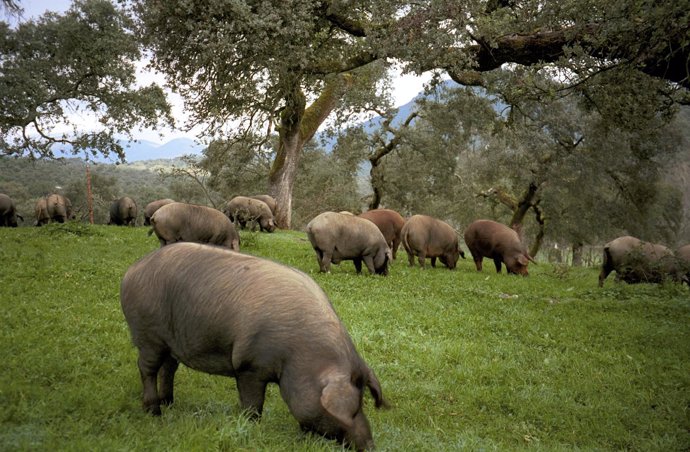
(404, 87)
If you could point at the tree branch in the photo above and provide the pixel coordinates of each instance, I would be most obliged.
(549, 46)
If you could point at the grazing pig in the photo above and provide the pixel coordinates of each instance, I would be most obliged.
(269, 200)
(390, 224)
(486, 238)
(242, 209)
(636, 261)
(41, 210)
(59, 208)
(53, 208)
(8, 212)
(123, 212)
(338, 237)
(151, 208)
(424, 236)
(225, 313)
(180, 222)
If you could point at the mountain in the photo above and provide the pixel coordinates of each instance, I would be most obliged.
(404, 111)
(145, 150)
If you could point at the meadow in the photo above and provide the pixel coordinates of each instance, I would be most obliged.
(467, 360)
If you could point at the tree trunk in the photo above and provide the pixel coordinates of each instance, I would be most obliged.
(577, 254)
(541, 221)
(523, 206)
(376, 184)
(298, 124)
(376, 174)
(282, 180)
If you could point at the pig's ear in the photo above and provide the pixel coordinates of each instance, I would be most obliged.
(340, 399)
(375, 389)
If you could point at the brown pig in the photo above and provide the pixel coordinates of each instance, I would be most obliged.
(390, 224)
(269, 200)
(424, 236)
(53, 207)
(151, 208)
(8, 212)
(260, 322)
(41, 211)
(180, 222)
(123, 212)
(636, 261)
(338, 237)
(486, 238)
(242, 210)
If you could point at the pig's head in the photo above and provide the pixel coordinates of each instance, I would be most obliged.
(342, 416)
(268, 224)
(382, 259)
(518, 264)
(450, 257)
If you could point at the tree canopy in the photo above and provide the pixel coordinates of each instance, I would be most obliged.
(58, 69)
(272, 72)
(285, 66)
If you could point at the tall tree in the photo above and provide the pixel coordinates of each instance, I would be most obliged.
(59, 69)
(285, 65)
(260, 66)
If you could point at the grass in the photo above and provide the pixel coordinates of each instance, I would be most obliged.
(468, 361)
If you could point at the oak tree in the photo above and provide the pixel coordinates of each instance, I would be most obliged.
(59, 69)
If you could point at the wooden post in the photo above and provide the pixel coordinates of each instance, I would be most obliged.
(89, 197)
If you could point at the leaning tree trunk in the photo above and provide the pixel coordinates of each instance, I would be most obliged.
(520, 208)
(298, 124)
(376, 172)
(541, 221)
(377, 183)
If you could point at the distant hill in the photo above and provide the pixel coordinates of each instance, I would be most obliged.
(141, 150)
(404, 111)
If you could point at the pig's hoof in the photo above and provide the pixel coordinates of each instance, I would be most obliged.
(154, 410)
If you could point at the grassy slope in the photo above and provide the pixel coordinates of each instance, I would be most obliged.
(468, 360)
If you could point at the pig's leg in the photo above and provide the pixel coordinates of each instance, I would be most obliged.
(150, 362)
(252, 391)
(325, 263)
(358, 264)
(420, 257)
(167, 377)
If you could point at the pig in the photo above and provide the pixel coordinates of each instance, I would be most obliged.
(242, 210)
(260, 322)
(269, 200)
(636, 261)
(486, 238)
(180, 222)
(8, 212)
(151, 208)
(337, 237)
(123, 212)
(41, 210)
(53, 207)
(390, 224)
(424, 236)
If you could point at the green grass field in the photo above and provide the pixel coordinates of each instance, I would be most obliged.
(467, 360)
